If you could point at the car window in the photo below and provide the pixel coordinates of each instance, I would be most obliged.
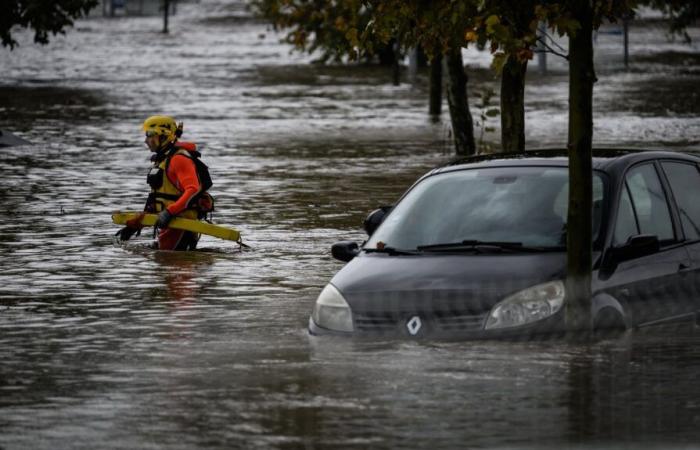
(649, 202)
(561, 203)
(513, 204)
(685, 185)
(626, 224)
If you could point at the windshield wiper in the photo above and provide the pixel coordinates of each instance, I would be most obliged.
(475, 245)
(390, 250)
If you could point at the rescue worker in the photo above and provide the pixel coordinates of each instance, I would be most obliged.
(178, 181)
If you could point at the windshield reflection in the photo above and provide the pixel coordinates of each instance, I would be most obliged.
(525, 205)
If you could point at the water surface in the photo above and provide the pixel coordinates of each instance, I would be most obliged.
(104, 346)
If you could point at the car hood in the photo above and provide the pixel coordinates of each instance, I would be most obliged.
(449, 283)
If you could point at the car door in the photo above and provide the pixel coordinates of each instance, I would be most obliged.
(683, 177)
(647, 286)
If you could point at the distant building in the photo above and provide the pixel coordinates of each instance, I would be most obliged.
(136, 7)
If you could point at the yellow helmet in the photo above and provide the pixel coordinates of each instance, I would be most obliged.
(162, 126)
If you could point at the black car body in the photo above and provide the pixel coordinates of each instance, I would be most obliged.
(490, 258)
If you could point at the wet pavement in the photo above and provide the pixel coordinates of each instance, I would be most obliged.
(103, 346)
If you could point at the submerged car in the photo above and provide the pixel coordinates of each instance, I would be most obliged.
(477, 249)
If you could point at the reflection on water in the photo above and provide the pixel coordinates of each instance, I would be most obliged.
(641, 389)
(126, 347)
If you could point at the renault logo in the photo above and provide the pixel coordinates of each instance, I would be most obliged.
(414, 325)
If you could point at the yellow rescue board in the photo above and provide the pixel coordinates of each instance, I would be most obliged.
(196, 226)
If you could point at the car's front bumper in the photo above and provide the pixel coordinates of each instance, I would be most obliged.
(430, 329)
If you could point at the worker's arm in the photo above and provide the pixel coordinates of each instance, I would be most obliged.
(183, 174)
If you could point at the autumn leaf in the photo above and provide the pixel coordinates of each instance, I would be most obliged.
(524, 54)
(351, 36)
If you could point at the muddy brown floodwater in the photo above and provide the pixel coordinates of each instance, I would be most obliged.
(103, 346)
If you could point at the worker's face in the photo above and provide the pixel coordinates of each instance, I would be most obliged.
(152, 141)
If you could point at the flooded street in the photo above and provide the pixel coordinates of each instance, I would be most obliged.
(104, 346)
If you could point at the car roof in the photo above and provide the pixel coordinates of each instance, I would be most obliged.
(605, 159)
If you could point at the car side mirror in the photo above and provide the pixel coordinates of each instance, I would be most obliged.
(637, 246)
(375, 218)
(345, 250)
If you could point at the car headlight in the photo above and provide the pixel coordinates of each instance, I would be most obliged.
(529, 305)
(331, 311)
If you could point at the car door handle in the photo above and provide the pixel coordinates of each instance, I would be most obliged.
(683, 267)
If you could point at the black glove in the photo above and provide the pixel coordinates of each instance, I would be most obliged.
(127, 232)
(164, 219)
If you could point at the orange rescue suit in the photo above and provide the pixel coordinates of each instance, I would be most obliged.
(174, 184)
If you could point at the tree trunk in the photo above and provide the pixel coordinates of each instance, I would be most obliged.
(385, 52)
(579, 222)
(166, 11)
(513, 106)
(462, 123)
(436, 86)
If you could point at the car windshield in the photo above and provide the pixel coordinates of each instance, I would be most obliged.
(515, 206)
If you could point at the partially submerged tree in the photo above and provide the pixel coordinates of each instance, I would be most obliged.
(359, 29)
(166, 14)
(324, 26)
(435, 82)
(438, 27)
(579, 236)
(458, 102)
(44, 17)
(511, 32)
(577, 19)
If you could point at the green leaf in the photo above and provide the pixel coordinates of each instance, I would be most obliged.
(493, 112)
(499, 60)
(567, 26)
(500, 33)
(492, 20)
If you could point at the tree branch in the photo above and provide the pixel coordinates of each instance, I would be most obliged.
(549, 49)
(551, 39)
